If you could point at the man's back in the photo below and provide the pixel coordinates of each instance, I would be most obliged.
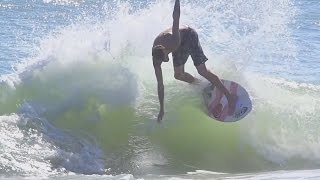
(166, 39)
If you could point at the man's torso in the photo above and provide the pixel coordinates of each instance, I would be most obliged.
(165, 39)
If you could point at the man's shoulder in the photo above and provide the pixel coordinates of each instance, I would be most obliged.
(168, 31)
(163, 34)
(181, 27)
(184, 27)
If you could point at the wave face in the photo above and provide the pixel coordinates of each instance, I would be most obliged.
(86, 101)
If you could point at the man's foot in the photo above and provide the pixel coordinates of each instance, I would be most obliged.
(232, 101)
(196, 81)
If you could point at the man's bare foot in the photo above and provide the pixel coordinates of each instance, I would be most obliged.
(196, 81)
(232, 101)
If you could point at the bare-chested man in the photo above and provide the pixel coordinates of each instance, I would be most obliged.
(182, 42)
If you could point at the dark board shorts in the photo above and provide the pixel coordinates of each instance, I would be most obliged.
(190, 45)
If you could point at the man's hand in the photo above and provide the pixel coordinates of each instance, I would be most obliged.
(176, 21)
(160, 116)
(176, 10)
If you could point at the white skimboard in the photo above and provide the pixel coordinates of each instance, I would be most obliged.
(217, 103)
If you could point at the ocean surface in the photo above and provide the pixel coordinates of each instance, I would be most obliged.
(78, 97)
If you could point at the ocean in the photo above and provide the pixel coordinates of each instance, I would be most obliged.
(78, 96)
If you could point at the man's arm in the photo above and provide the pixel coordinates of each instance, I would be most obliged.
(176, 21)
(158, 72)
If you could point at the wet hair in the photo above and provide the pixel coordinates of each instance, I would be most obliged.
(157, 52)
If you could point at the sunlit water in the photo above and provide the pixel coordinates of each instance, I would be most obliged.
(78, 94)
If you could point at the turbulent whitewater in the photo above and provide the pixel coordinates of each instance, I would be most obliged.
(78, 92)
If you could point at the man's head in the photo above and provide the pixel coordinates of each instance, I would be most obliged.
(158, 54)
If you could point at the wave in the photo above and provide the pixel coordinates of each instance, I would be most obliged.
(88, 101)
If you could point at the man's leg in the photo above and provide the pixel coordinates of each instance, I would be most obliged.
(183, 76)
(203, 71)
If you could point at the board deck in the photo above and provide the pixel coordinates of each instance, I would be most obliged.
(217, 103)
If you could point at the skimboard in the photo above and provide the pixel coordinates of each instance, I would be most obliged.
(217, 103)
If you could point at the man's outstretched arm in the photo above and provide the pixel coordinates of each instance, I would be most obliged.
(158, 72)
(176, 21)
